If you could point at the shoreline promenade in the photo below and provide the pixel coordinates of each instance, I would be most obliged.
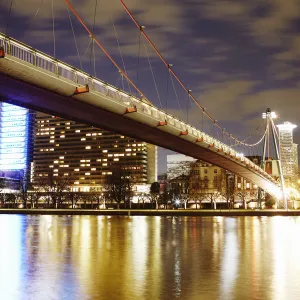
(154, 212)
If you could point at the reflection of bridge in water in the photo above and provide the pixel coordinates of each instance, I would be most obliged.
(35, 80)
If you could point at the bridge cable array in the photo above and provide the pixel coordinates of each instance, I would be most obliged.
(8, 17)
(171, 71)
(74, 37)
(53, 30)
(104, 50)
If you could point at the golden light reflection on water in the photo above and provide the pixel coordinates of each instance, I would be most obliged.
(98, 257)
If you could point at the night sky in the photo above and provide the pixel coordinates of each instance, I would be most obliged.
(238, 57)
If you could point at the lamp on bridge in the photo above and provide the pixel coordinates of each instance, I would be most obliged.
(269, 114)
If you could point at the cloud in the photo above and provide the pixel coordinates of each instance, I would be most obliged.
(284, 101)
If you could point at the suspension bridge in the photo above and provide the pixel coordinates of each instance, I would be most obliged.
(36, 80)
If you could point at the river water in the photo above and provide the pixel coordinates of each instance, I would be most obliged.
(102, 257)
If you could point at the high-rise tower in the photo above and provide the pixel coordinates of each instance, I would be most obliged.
(16, 133)
(288, 151)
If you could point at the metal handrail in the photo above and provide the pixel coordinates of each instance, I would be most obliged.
(61, 69)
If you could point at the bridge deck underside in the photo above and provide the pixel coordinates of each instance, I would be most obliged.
(34, 89)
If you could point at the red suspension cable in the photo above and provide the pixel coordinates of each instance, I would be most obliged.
(175, 75)
(103, 49)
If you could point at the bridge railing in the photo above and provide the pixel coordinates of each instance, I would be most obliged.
(61, 69)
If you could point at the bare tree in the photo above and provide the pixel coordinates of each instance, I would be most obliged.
(243, 193)
(154, 193)
(118, 185)
(3, 186)
(56, 188)
(72, 196)
(95, 196)
(143, 197)
(227, 189)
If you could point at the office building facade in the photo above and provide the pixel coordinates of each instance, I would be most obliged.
(87, 155)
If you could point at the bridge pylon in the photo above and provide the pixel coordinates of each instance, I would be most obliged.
(271, 134)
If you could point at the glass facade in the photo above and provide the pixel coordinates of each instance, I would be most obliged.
(16, 128)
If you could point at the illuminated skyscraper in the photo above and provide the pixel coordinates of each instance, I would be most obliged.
(16, 132)
(86, 155)
(288, 150)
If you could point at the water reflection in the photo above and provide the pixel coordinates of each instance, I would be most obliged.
(98, 257)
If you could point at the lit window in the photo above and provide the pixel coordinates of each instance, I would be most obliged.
(87, 173)
(98, 159)
(57, 145)
(93, 169)
(104, 151)
(61, 157)
(87, 165)
(109, 155)
(82, 165)
(56, 161)
(94, 134)
(78, 130)
(88, 134)
(116, 159)
(51, 166)
(104, 164)
(116, 146)
(83, 139)
(62, 136)
(76, 182)
(88, 147)
(76, 170)
(122, 136)
(82, 160)
(99, 133)
(55, 170)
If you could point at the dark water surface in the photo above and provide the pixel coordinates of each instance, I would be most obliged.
(100, 257)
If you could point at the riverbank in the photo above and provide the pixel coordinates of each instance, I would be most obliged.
(152, 212)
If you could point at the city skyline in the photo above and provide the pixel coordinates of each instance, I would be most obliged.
(245, 71)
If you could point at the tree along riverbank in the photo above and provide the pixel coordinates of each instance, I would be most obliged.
(152, 212)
